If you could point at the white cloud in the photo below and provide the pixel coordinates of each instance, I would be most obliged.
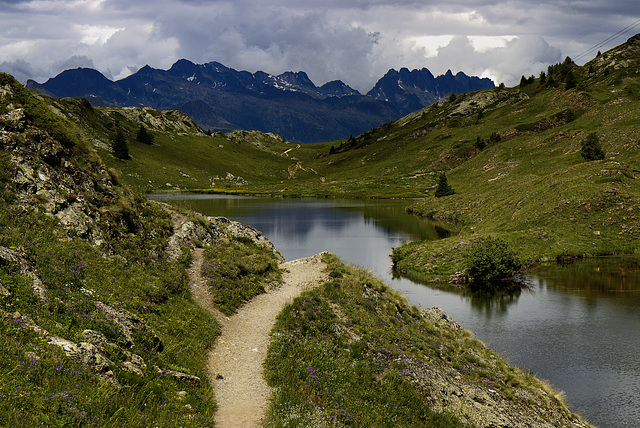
(92, 34)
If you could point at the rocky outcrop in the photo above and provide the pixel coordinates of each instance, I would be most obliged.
(91, 356)
(84, 198)
(96, 353)
(130, 325)
(209, 231)
(26, 265)
(486, 100)
(166, 120)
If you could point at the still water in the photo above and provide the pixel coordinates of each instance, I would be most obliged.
(576, 326)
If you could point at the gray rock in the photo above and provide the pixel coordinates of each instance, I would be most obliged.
(210, 231)
(195, 380)
(27, 268)
(438, 317)
(128, 323)
(95, 338)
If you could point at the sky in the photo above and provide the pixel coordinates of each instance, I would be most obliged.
(356, 41)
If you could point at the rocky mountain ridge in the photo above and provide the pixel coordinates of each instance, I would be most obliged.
(220, 98)
(410, 91)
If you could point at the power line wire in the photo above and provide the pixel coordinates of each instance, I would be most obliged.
(608, 39)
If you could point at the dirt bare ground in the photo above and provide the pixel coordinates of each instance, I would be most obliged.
(235, 363)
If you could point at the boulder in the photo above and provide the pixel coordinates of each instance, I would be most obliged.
(129, 323)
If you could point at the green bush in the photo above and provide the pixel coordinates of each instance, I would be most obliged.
(490, 259)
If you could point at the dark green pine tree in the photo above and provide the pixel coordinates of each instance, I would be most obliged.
(570, 81)
(120, 147)
(144, 136)
(591, 149)
(443, 188)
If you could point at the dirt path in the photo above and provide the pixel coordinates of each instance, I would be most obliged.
(235, 364)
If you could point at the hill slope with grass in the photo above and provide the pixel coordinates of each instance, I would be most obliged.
(512, 156)
(97, 324)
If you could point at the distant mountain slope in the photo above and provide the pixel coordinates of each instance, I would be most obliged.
(409, 91)
(290, 104)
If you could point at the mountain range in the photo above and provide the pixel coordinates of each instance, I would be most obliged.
(219, 98)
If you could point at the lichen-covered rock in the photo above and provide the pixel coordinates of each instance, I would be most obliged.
(95, 338)
(438, 317)
(134, 364)
(211, 230)
(23, 261)
(195, 380)
(129, 324)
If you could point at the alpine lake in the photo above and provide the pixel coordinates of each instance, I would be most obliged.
(575, 325)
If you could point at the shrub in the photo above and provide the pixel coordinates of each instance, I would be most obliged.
(591, 149)
(490, 259)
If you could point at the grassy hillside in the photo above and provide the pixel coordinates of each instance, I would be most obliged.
(366, 358)
(97, 324)
(512, 155)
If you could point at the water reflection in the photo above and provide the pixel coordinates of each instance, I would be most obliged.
(598, 276)
(493, 303)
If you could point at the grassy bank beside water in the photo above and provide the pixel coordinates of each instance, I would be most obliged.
(353, 353)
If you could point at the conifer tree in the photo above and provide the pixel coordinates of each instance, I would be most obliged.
(144, 136)
(591, 149)
(443, 188)
(523, 82)
(119, 146)
(570, 81)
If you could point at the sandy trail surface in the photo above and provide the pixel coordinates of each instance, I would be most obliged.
(235, 363)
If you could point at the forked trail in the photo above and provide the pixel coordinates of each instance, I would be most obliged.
(235, 363)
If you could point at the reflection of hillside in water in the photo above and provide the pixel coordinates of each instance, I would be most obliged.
(298, 218)
(391, 216)
(595, 276)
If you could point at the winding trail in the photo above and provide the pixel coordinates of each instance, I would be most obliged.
(235, 363)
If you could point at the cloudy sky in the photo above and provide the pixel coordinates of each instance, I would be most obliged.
(355, 41)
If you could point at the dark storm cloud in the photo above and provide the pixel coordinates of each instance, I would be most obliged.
(356, 41)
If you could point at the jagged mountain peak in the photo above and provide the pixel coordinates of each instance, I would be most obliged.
(288, 103)
(183, 66)
(411, 90)
(338, 88)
